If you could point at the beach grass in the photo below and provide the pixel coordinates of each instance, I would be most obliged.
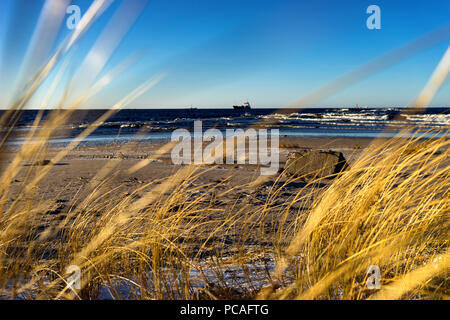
(389, 209)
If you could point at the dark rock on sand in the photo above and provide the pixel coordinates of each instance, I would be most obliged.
(39, 163)
(311, 164)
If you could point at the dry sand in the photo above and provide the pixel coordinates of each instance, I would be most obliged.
(64, 186)
(82, 164)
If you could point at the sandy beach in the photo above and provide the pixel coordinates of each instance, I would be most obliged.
(223, 187)
(70, 175)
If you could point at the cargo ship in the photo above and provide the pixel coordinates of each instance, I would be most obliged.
(245, 106)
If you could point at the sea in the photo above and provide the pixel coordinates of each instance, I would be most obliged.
(158, 124)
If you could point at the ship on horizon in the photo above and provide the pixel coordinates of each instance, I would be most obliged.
(244, 106)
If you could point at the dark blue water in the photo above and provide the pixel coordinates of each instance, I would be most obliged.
(319, 122)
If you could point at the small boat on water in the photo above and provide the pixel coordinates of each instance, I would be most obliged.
(245, 106)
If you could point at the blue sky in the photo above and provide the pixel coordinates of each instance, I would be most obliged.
(220, 53)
